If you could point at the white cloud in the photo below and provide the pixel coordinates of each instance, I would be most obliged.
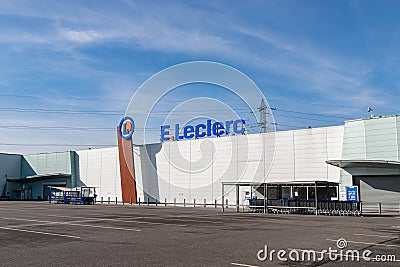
(79, 36)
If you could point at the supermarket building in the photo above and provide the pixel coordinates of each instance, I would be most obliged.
(363, 152)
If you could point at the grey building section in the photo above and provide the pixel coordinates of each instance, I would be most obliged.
(10, 167)
(370, 158)
(383, 188)
(30, 175)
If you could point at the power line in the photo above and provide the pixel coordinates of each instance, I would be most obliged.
(110, 112)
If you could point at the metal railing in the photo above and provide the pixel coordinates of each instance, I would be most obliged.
(294, 206)
(282, 206)
(380, 208)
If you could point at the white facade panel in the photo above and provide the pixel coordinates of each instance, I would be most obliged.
(100, 168)
(191, 170)
(282, 167)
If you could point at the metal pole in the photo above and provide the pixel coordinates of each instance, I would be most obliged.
(265, 199)
(165, 202)
(130, 201)
(307, 191)
(184, 202)
(222, 200)
(139, 201)
(174, 202)
(215, 203)
(237, 198)
(148, 202)
(116, 200)
(101, 201)
(194, 202)
(206, 201)
(109, 200)
(156, 202)
(316, 200)
(380, 207)
(227, 204)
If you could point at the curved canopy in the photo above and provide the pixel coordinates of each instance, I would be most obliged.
(364, 163)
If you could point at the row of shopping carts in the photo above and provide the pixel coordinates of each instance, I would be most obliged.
(295, 206)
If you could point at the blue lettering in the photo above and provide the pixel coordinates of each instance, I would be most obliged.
(235, 126)
(197, 130)
(188, 131)
(228, 126)
(209, 128)
(218, 128)
(200, 130)
(177, 136)
(164, 131)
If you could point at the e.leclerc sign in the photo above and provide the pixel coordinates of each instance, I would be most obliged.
(126, 127)
(201, 130)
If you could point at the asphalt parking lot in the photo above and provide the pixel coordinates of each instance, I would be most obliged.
(42, 234)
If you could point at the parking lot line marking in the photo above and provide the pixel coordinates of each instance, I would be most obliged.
(175, 217)
(241, 264)
(45, 223)
(39, 232)
(180, 218)
(76, 224)
(367, 243)
(384, 236)
(120, 220)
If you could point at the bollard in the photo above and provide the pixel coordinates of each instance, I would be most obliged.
(139, 201)
(194, 202)
(205, 203)
(49, 198)
(156, 202)
(101, 201)
(380, 208)
(116, 200)
(130, 201)
(215, 204)
(108, 200)
(165, 202)
(184, 202)
(174, 202)
(227, 206)
(148, 202)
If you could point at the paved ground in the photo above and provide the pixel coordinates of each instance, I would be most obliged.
(42, 234)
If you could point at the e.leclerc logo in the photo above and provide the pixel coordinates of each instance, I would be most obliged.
(126, 127)
(201, 130)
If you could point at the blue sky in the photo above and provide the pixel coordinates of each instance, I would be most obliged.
(330, 58)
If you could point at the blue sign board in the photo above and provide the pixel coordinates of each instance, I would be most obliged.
(352, 193)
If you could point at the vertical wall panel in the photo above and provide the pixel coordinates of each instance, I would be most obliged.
(100, 168)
